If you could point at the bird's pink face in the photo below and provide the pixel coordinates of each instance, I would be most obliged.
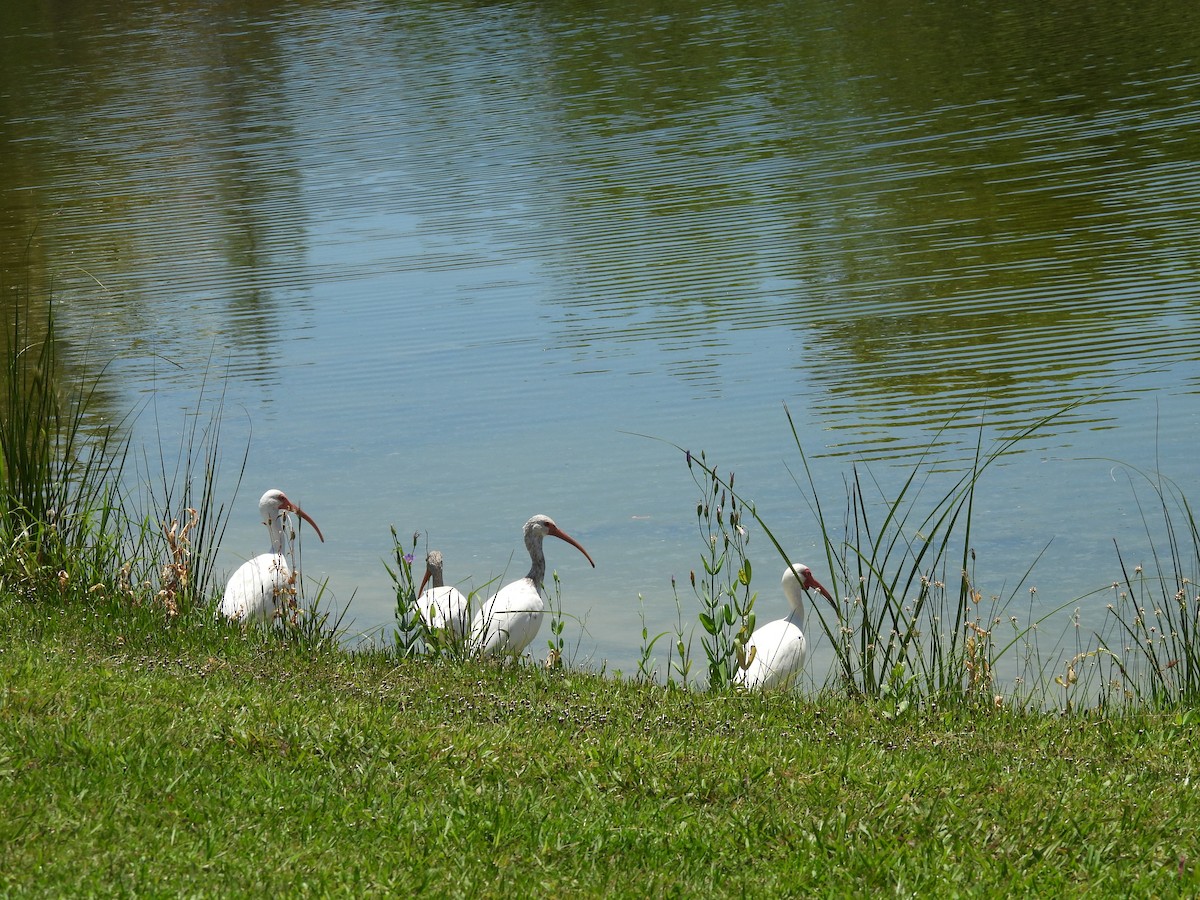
(811, 583)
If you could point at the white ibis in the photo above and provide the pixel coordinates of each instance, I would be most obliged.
(443, 608)
(255, 590)
(508, 621)
(775, 652)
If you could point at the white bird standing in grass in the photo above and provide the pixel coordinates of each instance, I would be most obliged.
(256, 589)
(776, 651)
(443, 608)
(508, 621)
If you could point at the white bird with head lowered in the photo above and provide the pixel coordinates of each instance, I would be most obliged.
(256, 590)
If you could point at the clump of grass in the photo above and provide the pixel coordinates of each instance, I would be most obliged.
(560, 655)
(316, 623)
(1156, 613)
(168, 554)
(59, 501)
(184, 489)
(903, 566)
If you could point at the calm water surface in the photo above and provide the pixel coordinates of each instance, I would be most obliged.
(443, 261)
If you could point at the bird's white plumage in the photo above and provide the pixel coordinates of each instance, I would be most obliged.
(442, 607)
(256, 589)
(777, 650)
(509, 620)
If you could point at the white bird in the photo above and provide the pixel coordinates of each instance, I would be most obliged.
(508, 621)
(775, 652)
(255, 590)
(443, 608)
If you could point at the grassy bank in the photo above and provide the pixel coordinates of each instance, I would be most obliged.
(137, 759)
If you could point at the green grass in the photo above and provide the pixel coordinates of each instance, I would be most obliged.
(138, 758)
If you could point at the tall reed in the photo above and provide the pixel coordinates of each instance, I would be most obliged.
(59, 500)
(183, 488)
(903, 568)
(1156, 613)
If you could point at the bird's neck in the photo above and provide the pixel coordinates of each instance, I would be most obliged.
(796, 596)
(275, 529)
(537, 560)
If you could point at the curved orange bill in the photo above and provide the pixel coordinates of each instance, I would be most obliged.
(813, 583)
(563, 536)
(424, 581)
(291, 507)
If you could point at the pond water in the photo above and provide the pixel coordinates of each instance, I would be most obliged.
(446, 265)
